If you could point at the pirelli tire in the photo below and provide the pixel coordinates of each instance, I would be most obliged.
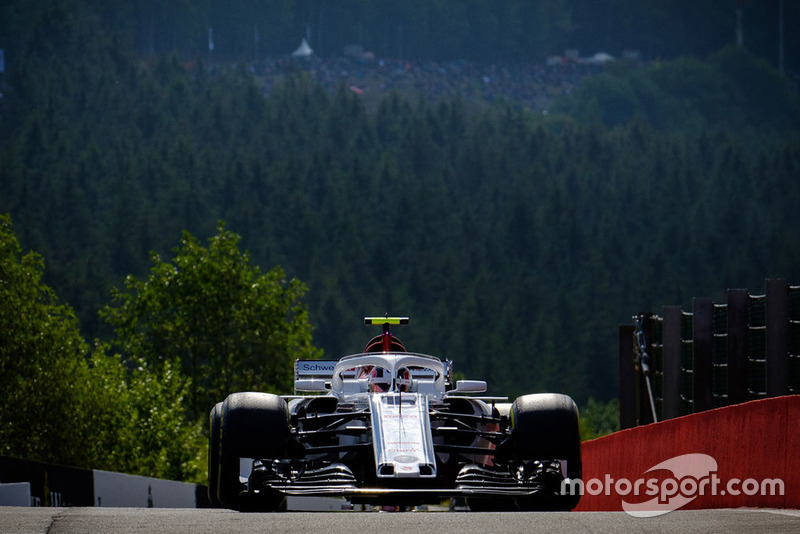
(545, 427)
(252, 425)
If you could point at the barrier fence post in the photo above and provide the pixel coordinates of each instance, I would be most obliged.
(671, 362)
(777, 337)
(737, 346)
(644, 411)
(627, 378)
(702, 348)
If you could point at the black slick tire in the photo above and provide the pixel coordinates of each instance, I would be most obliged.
(545, 427)
(252, 425)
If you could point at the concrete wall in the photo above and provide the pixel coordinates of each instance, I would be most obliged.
(53, 485)
(50, 485)
(15, 494)
(117, 489)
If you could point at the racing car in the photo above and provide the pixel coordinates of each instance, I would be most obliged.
(388, 427)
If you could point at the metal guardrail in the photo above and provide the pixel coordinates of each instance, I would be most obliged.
(711, 356)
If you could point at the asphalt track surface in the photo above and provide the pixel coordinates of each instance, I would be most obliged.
(163, 520)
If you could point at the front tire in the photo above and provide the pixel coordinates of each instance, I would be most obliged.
(545, 427)
(252, 425)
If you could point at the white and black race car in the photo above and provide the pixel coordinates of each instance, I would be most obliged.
(387, 427)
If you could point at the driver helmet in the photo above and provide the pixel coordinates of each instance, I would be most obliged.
(376, 378)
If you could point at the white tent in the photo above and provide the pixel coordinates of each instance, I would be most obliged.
(303, 50)
(600, 58)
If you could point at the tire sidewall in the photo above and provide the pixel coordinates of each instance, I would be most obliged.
(215, 421)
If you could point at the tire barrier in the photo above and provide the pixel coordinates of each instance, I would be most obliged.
(744, 455)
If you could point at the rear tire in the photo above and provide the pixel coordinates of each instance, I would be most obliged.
(545, 427)
(253, 425)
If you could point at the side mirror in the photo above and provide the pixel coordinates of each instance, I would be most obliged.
(312, 384)
(469, 386)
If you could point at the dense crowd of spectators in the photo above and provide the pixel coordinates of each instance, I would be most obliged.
(532, 86)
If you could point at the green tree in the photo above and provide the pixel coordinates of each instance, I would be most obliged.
(140, 422)
(62, 405)
(599, 418)
(41, 361)
(228, 325)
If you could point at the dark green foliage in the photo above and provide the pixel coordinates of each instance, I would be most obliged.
(598, 419)
(517, 243)
(63, 405)
(733, 91)
(228, 326)
(41, 349)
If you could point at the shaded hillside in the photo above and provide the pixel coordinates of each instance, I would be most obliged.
(516, 242)
(510, 31)
(732, 91)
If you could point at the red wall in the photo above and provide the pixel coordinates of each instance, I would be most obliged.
(755, 440)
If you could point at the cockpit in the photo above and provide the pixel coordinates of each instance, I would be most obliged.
(385, 372)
